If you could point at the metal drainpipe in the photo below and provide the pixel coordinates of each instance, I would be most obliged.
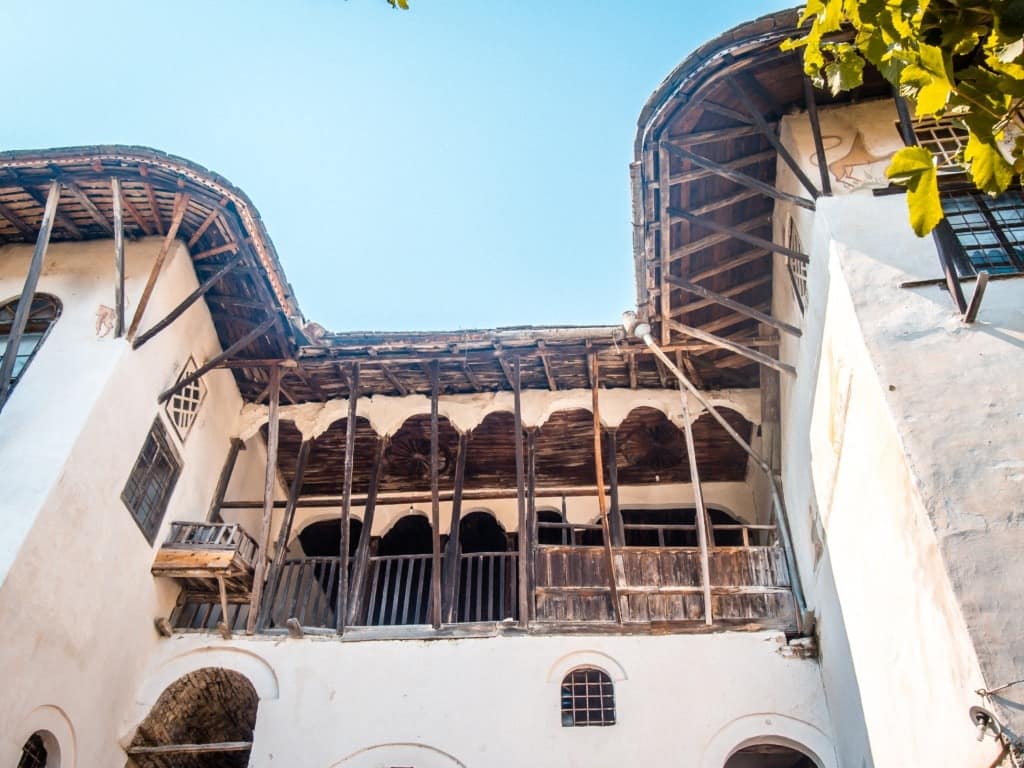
(643, 331)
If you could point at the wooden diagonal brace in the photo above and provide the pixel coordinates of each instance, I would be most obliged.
(736, 306)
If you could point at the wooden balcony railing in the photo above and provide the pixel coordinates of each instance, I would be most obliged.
(203, 552)
(749, 586)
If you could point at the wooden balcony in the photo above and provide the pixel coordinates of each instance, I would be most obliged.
(206, 554)
(660, 589)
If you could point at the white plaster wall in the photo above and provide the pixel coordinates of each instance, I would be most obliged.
(909, 422)
(495, 701)
(77, 602)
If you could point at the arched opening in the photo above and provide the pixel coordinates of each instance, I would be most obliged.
(400, 574)
(587, 698)
(769, 756)
(323, 538)
(554, 536)
(40, 750)
(677, 527)
(42, 314)
(210, 707)
(487, 570)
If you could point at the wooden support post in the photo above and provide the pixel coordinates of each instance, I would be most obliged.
(602, 499)
(736, 306)
(819, 146)
(115, 191)
(341, 608)
(213, 514)
(222, 625)
(216, 360)
(453, 551)
(435, 501)
(361, 561)
(615, 514)
(524, 597)
(188, 301)
(664, 237)
(269, 481)
(180, 205)
(979, 293)
(733, 346)
(738, 177)
(284, 533)
(769, 134)
(21, 314)
(701, 513)
(531, 517)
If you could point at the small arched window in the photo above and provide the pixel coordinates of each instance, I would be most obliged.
(588, 698)
(33, 754)
(43, 313)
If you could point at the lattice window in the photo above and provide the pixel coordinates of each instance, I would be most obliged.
(588, 698)
(183, 406)
(149, 487)
(991, 230)
(33, 754)
(42, 315)
(945, 138)
(796, 268)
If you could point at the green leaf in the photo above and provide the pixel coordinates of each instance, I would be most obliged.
(915, 168)
(989, 169)
(846, 71)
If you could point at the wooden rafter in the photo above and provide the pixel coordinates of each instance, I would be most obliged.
(739, 349)
(548, 373)
(83, 199)
(201, 229)
(725, 202)
(180, 204)
(736, 306)
(737, 177)
(394, 380)
(734, 290)
(733, 263)
(61, 220)
(140, 220)
(724, 111)
(749, 225)
(151, 197)
(739, 234)
(28, 232)
(696, 174)
(210, 252)
(714, 136)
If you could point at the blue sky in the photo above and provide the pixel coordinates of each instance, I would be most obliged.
(459, 165)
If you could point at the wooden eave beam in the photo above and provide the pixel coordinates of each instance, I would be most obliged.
(62, 221)
(226, 248)
(742, 94)
(732, 346)
(140, 220)
(188, 301)
(739, 234)
(201, 229)
(548, 373)
(695, 246)
(83, 199)
(810, 102)
(696, 174)
(734, 290)
(737, 177)
(216, 360)
(394, 380)
(27, 231)
(181, 203)
(151, 197)
(745, 258)
(725, 301)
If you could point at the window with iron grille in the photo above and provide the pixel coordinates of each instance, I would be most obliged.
(588, 698)
(43, 313)
(183, 405)
(990, 230)
(945, 139)
(149, 487)
(33, 754)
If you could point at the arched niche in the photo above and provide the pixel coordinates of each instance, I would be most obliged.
(399, 753)
(480, 531)
(324, 473)
(323, 537)
(565, 449)
(770, 756)
(407, 457)
(650, 449)
(719, 457)
(552, 535)
(50, 728)
(207, 706)
(410, 534)
(491, 452)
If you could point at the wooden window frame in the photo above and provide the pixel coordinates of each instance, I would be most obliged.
(148, 510)
(40, 322)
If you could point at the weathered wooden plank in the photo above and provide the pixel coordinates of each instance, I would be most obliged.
(435, 499)
(269, 483)
(523, 576)
(341, 607)
(732, 346)
(181, 204)
(115, 189)
(736, 306)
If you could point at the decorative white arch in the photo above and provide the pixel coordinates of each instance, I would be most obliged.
(399, 753)
(586, 658)
(769, 728)
(250, 665)
(54, 726)
(386, 414)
